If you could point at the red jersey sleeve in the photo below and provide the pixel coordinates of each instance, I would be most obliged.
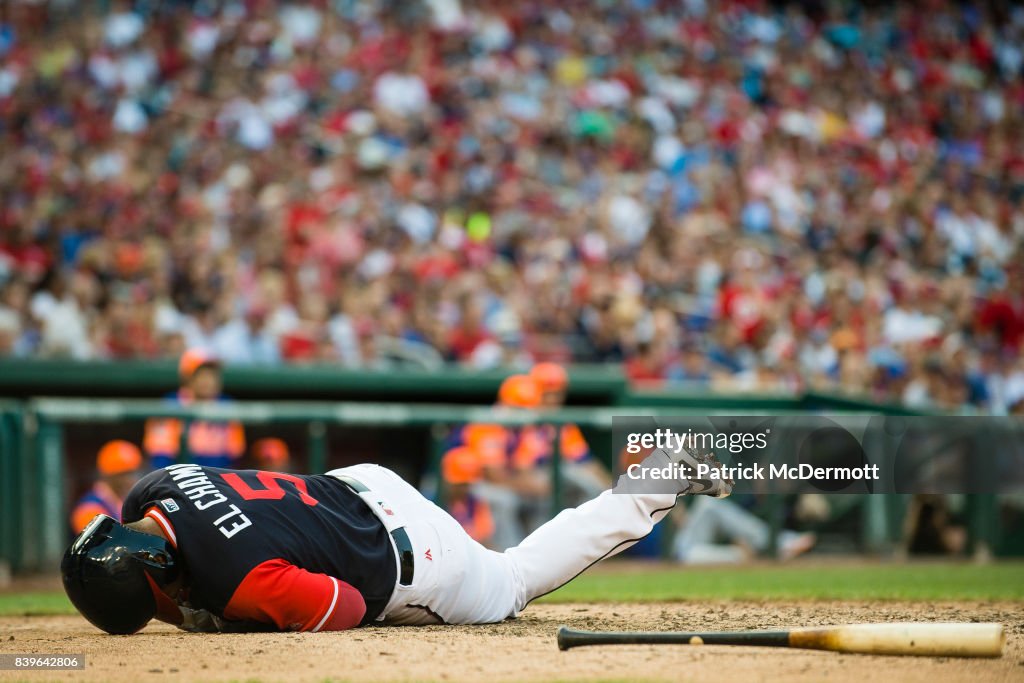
(295, 600)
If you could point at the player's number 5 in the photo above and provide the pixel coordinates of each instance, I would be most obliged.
(271, 487)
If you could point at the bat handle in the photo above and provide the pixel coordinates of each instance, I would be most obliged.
(570, 638)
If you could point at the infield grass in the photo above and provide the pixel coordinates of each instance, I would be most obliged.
(798, 581)
(633, 582)
(35, 603)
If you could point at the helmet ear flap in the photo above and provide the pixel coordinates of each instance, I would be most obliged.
(166, 609)
(105, 574)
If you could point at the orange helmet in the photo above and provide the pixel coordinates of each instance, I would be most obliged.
(550, 376)
(193, 359)
(519, 391)
(461, 466)
(118, 457)
(270, 454)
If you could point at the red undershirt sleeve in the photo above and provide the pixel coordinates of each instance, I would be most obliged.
(295, 600)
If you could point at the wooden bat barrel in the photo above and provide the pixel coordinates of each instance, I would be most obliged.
(930, 639)
(910, 638)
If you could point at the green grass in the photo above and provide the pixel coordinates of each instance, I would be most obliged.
(35, 603)
(633, 583)
(1003, 581)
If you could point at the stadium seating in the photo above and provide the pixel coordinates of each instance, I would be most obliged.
(742, 195)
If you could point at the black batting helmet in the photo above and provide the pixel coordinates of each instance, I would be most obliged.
(112, 574)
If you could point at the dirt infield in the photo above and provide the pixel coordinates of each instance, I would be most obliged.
(520, 650)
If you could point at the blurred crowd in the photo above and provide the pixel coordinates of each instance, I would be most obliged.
(745, 195)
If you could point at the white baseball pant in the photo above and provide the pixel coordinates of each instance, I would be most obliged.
(459, 581)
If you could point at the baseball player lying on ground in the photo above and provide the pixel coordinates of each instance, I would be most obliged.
(209, 549)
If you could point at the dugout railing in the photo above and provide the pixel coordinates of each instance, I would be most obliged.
(14, 481)
(33, 490)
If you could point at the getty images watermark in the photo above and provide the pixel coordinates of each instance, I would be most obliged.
(675, 443)
(822, 453)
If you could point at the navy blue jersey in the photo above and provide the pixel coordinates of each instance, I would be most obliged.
(236, 529)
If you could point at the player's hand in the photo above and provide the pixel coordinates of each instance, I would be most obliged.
(203, 621)
(198, 621)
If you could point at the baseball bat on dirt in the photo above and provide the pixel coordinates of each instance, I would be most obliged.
(929, 639)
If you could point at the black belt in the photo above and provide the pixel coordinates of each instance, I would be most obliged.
(402, 542)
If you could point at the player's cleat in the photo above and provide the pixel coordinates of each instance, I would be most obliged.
(716, 487)
(665, 471)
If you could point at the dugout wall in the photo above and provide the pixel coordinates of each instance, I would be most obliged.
(47, 446)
